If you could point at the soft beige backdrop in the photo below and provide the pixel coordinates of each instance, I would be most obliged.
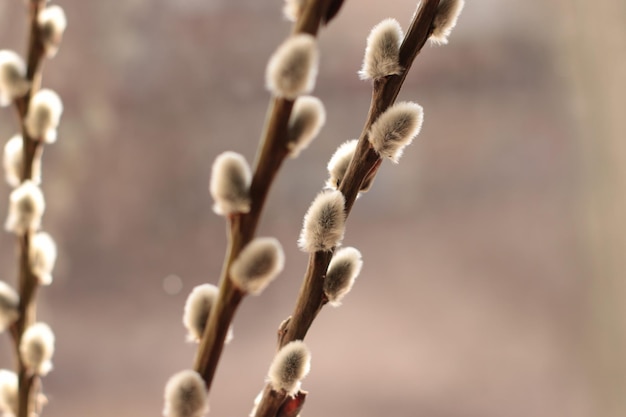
(492, 279)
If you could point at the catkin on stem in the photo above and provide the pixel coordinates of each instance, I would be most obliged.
(382, 51)
(42, 256)
(395, 129)
(307, 119)
(343, 270)
(230, 184)
(197, 311)
(257, 265)
(13, 82)
(26, 206)
(324, 222)
(44, 115)
(445, 20)
(185, 395)
(8, 393)
(292, 69)
(37, 348)
(290, 365)
(9, 304)
(52, 24)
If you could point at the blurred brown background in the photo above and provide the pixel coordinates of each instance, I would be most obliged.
(494, 268)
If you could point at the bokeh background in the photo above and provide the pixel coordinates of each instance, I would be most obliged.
(494, 270)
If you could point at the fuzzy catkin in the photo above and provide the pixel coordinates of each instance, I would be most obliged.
(13, 162)
(185, 395)
(9, 303)
(257, 265)
(37, 348)
(382, 51)
(293, 9)
(343, 270)
(230, 184)
(197, 311)
(13, 82)
(324, 222)
(26, 206)
(42, 256)
(307, 119)
(292, 69)
(52, 23)
(44, 115)
(8, 393)
(395, 129)
(338, 164)
(290, 365)
(445, 20)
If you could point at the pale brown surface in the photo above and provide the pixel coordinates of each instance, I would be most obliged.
(477, 277)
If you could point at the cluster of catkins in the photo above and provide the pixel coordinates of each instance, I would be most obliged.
(26, 201)
(291, 74)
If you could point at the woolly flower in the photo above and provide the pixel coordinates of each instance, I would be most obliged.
(197, 310)
(230, 184)
(13, 82)
(9, 302)
(257, 265)
(307, 118)
(445, 20)
(324, 222)
(44, 114)
(13, 162)
(395, 129)
(293, 9)
(8, 393)
(37, 348)
(42, 255)
(290, 365)
(382, 51)
(52, 24)
(26, 206)
(292, 69)
(185, 395)
(343, 270)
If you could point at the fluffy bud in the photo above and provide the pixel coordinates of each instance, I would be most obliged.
(445, 20)
(230, 184)
(52, 24)
(292, 69)
(42, 255)
(13, 82)
(26, 206)
(382, 51)
(197, 310)
(8, 393)
(395, 129)
(185, 395)
(343, 270)
(37, 348)
(13, 160)
(293, 9)
(44, 114)
(307, 118)
(290, 365)
(9, 303)
(257, 265)
(338, 166)
(324, 222)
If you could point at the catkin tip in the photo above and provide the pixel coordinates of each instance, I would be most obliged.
(185, 395)
(307, 119)
(257, 265)
(382, 51)
(343, 270)
(395, 129)
(324, 222)
(26, 207)
(292, 69)
(230, 184)
(44, 115)
(37, 348)
(290, 365)
(445, 20)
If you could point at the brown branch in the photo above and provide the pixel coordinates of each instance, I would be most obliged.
(271, 155)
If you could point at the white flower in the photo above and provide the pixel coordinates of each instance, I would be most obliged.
(42, 256)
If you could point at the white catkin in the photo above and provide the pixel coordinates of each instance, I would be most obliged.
(13, 162)
(52, 24)
(307, 119)
(445, 20)
(37, 348)
(230, 184)
(292, 9)
(44, 115)
(395, 129)
(343, 270)
(290, 365)
(292, 69)
(42, 256)
(338, 164)
(185, 395)
(197, 311)
(13, 82)
(324, 222)
(257, 265)
(8, 393)
(382, 51)
(26, 206)
(9, 303)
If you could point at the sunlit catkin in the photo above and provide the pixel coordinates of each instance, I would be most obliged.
(13, 82)
(8, 393)
(290, 365)
(230, 184)
(26, 206)
(324, 222)
(52, 24)
(9, 303)
(343, 270)
(185, 395)
(37, 348)
(292, 69)
(257, 265)
(42, 256)
(445, 20)
(382, 51)
(395, 129)
(307, 119)
(13, 162)
(198, 309)
(44, 114)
